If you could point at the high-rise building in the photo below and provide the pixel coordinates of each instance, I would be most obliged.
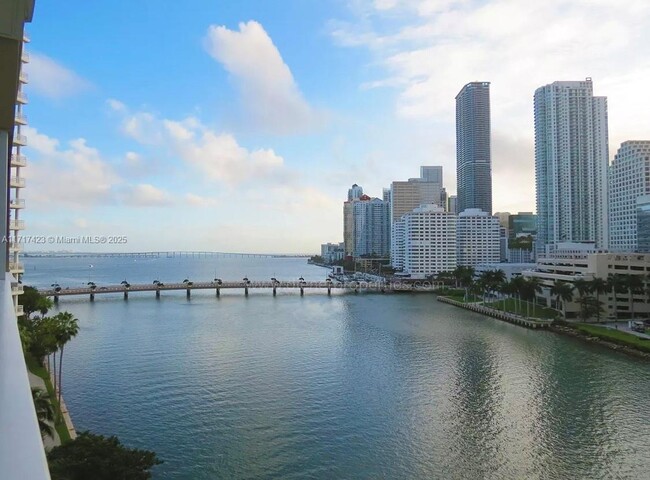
(522, 224)
(478, 238)
(425, 241)
(629, 178)
(571, 162)
(355, 192)
(431, 174)
(452, 204)
(348, 227)
(643, 224)
(504, 219)
(473, 155)
(371, 227)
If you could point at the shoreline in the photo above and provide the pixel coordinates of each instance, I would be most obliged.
(548, 325)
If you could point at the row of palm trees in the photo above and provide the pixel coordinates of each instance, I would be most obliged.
(525, 289)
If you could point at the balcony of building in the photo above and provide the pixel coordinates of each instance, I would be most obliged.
(16, 203)
(18, 160)
(15, 247)
(17, 288)
(19, 311)
(22, 98)
(25, 57)
(16, 182)
(20, 118)
(23, 77)
(16, 268)
(20, 140)
(16, 224)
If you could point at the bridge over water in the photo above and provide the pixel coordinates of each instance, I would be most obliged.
(243, 285)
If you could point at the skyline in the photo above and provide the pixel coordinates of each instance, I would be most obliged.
(372, 108)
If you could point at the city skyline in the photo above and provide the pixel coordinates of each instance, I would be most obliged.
(371, 110)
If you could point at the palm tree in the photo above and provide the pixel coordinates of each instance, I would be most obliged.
(518, 284)
(633, 284)
(615, 284)
(126, 284)
(563, 292)
(535, 287)
(598, 286)
(44, 412)
(588, 306)
(68, 328)
(92, 285)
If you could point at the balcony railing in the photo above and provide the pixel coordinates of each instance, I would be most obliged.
(25, 57)
(17, 182)
(21, 98)
(21, 449)
(20, 139)
(24, 77)
(18, 160)
(20, 118)
(17, 289)
(16, 267)
(16, 203)
(16, 224)
(19, 310)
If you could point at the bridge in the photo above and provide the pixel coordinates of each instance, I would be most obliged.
(244, 285)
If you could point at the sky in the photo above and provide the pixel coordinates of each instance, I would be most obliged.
(238, 126)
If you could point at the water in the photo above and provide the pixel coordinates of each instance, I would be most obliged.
(352, 386)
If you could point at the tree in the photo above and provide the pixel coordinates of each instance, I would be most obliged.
(598, 286)
(518, 285)
(67, 328)
(563, 292)
(530, 287)
(100, 458)
(44, 412)
(634, 285)
(588, 307)
(615, 284)
(32, 302)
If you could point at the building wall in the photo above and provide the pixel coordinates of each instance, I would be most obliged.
(643, 223)
(478, 238)
(473, 147)
(371, 227)
(629, 178)
(571, 159)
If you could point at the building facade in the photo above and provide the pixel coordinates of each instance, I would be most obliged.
(522, 224)
(478, 238)
(452, 204)
(426, 241)
(643, 223)
(371, 227)
(473, 147)
(332, 252)
(571, 164)
(629, 179)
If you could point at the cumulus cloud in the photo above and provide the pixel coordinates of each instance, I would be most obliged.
(200, 201)
(267, 86)
(51, 79)
(145, 195)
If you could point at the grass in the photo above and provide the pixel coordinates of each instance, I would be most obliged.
(457, 294)
(511, 307)
(40, 371)
(614, 336)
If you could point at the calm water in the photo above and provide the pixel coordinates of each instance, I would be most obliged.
(352, 386)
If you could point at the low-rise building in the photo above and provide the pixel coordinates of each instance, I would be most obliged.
(332, 252)
(478, 238)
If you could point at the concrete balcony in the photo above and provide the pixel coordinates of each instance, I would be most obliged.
(25, 57)
(22, 98)
(16, 182)
(19, 311)
(16, 268)
(17, 288)
(21, 449)
(24, 77)
(16, 224)
(26, 38)
(20, 118)
(16, 203)
(15, 247)
(20, 140)
(18, 160)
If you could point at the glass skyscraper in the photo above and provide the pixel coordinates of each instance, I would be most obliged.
(473, 156)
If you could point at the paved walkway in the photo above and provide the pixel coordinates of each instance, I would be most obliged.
(48, 442)
(623, 326)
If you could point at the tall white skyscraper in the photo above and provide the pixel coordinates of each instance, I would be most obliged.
(478, 238)
(371, 227)
(571, 164)
(629, 179)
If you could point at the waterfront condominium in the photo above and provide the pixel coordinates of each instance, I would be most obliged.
(371, 227)
(473, 155)
(477, 238)
(629, 179)
(571, 163)
(354, 193)
(425, 241)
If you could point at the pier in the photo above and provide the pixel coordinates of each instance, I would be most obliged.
(244, 285)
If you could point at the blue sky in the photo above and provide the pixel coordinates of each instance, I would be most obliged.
(239, 125)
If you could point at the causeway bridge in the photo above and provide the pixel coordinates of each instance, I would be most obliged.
(243, 285)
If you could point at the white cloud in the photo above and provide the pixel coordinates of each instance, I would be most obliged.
(53, 80)
(200, 201)
(76, 176)
(145, 195)
(115, 105)
(267, 87)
